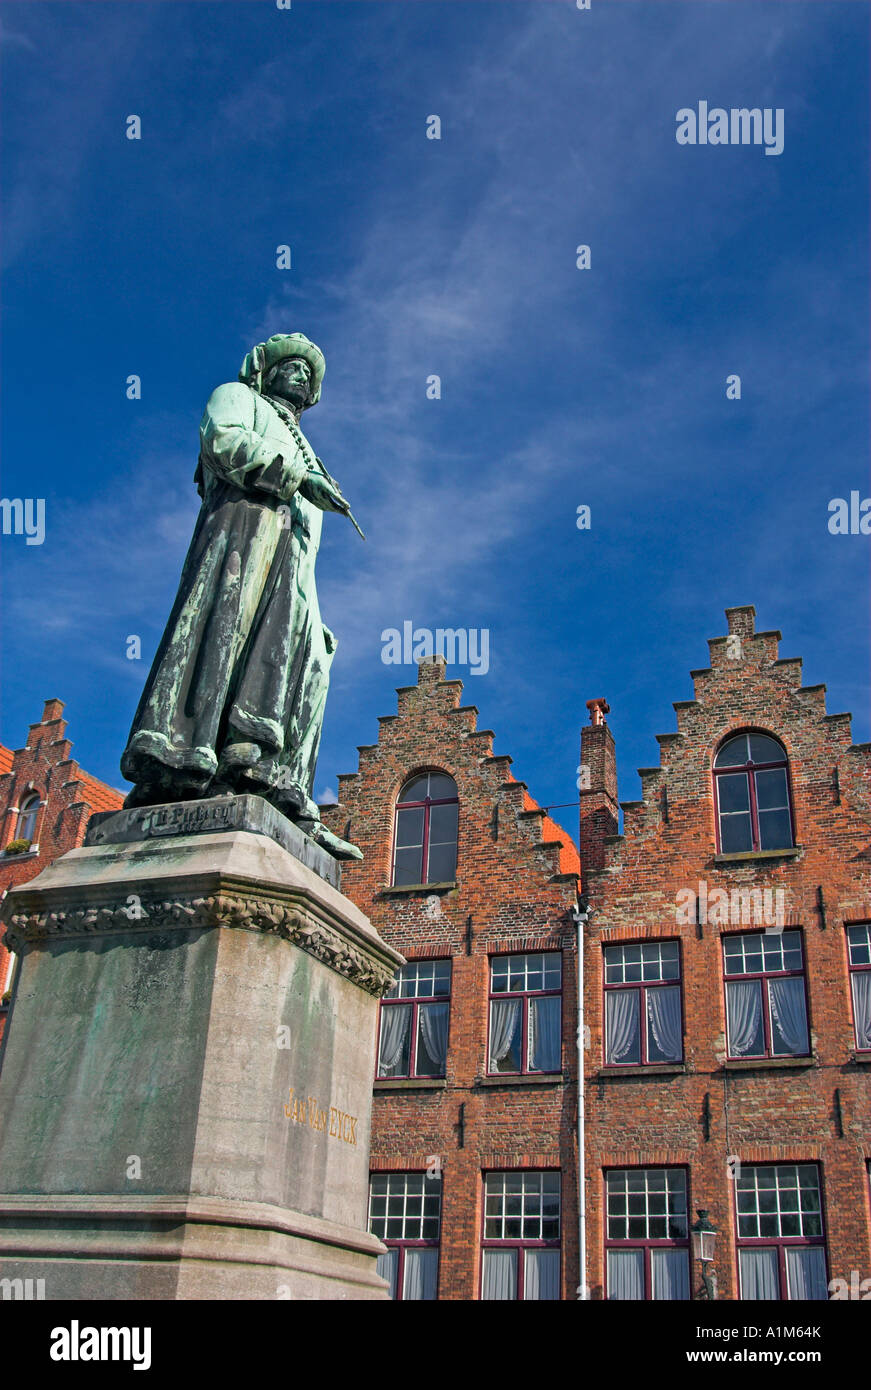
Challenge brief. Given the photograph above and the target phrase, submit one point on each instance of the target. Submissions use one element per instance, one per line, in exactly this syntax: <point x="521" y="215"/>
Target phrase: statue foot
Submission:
<point x="338" y="848"/>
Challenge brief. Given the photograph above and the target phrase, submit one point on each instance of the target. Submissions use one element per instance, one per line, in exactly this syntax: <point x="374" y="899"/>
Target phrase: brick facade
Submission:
<point x="814" y="1110"/>
<point x="516" y="891"/>
<point x="68" y="797"/>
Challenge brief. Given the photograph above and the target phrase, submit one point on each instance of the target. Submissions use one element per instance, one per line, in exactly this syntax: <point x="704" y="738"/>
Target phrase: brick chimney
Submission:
<point x="597" y="787"/>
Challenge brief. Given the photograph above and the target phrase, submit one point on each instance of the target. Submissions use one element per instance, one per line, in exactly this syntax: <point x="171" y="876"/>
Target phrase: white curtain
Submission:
<point x="626" y="1274"/>
<point x="500" y="1274"/>
<point x="745" y="1014"/>
<point x="420" y="1278"/>
<point x="862" y="1006"/>
<point x="541" y="1274"/>
<point x="621" y="1014"/>
<point x="544" y="1034"/>
<point x="788" y="1012"/>
<point x="806" y="1274"/>
<point x="386" y="1266"/>
<point x="395" y="1022"/>
<point x="504" y="1022"/>
<point x="759" y="1274"/>
<point x="670" y="1274"/>
<point x="434" y="1027"/>
<point x="663" y="1011"/>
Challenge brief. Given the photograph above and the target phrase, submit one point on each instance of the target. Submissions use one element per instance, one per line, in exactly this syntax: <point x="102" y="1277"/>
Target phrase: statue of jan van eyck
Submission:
<point x="235" y="698"/>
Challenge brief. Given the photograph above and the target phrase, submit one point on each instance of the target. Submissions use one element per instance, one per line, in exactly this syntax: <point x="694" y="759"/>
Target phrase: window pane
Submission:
<point x="736" y="835"/>
<point x="765" y="750"/>
<point x="744" y="1013"/>
<point x="420" y="1276"/>
<point x="432" y="1039"/>
<point x="806" y="1274"/>
<point x="505" y="1035"/>
<point x="860" y="944"/>
<point x="500" y="1275"/>
<point x="622" y="1026"/>
<point x="387" y="1266"/>
<point x="441" y="786"/>
<point x="788" y="1016"/>
<point x="733" y="753"/>
<point x="395" y="1049"/>
<point x="443" y="825"/>
<point x="759" y="1278"/>
<point x="626" y="1274"/>
<point x="670" y="1274"/>
<point x="771" y="789"/>
<point x="734" y="792"/>
<point x="664" y="1024"/>
<point x="442" y="863"/>
<point x="407" y="868"/>
<point x="414" y="790"/>
<point x="409" y="827"/>
<point x="544" y="1034"/>
<point x="541" y="1275"/>
<point x="775" y="830"/>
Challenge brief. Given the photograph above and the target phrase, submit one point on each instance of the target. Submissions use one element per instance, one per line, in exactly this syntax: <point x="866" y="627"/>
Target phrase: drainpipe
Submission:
<point x="581" y="914"/>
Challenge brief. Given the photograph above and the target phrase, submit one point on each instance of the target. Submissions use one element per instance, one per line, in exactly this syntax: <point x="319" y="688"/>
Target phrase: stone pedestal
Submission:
<point x="186" y="1088"/>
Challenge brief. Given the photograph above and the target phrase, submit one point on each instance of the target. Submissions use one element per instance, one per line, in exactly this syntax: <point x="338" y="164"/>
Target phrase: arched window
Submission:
<point x="751" y="785"/>
<point x="425" y="842"/>
<point x="26" y="828"/>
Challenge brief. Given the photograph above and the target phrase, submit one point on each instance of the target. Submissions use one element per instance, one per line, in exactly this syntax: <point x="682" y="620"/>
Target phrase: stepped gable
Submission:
<point x="433" y="730"/>
<point x="747" y="685"/>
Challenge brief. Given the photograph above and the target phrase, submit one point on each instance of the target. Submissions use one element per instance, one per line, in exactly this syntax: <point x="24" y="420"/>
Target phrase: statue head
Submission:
<point x="276" y="364"/>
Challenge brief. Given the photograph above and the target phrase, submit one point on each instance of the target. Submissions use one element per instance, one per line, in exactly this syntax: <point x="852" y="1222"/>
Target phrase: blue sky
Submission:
<point x="413" y="257"/>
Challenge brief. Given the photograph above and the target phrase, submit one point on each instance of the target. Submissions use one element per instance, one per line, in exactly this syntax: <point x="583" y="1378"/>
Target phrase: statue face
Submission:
<point x="291" y="380"/>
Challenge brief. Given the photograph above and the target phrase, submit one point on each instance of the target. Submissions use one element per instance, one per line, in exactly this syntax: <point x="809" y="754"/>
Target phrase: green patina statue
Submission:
<point x="235" y="698"/>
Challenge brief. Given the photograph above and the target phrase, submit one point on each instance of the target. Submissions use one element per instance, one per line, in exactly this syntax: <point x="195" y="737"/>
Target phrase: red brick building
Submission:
<point x="728" y="994"/>
<point x="726" y="999"/>
<point x="46" y="801"/>
<point x="475" y="1103"/>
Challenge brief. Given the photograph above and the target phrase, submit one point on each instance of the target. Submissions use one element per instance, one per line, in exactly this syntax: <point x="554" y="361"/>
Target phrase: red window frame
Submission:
<point x="518" y="1244"/>
<point x="856" y="970"/>
<point x="427" y="804"/>
<point x="524" y="996"/>
<point x="781" y="1243"/>
<point x="748" y="769"/>
<point x="402" y="1245"/>
<point x="642" y="985"/>
<point x="415" y="1000"/>
<point x="763" y="976"/>
<point x="648" y="1244"/>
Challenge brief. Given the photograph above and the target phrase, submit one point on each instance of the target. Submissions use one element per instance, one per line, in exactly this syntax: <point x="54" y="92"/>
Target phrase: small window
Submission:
<point x="526" y="1013"/>
<point x="766" y="1008"/>
<point x="521" y="1248"/>
<point x="26" y="827"/>
<point x="751" y="787"/>
<point x="643" y="1011"/>
<point x="859" y="947"/>
<point x="405" y="1213"/>
<point x="425" y="839"/>
<point x="647" y="1235"/>
<point x="414" y="1021"/>
<point x="781" y="1246"/>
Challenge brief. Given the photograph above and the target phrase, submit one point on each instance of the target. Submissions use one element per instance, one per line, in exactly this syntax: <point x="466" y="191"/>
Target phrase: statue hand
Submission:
<point x="321" y="492"/>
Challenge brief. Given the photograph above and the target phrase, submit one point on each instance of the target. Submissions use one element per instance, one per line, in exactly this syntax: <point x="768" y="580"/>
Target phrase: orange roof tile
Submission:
<point x="6" y="756"/>
<point x="98" y="795"/>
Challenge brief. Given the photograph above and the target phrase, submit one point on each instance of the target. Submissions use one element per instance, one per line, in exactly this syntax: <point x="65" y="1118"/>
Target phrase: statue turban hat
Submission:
<point x="280" y="346"/>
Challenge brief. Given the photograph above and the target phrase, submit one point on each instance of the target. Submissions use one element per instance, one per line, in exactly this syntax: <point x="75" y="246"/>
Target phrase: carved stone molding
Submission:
<point x="292" y="921"/>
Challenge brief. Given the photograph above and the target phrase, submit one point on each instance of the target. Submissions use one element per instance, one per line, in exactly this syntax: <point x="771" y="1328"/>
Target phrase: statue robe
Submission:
<point x="240" y="677"/>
